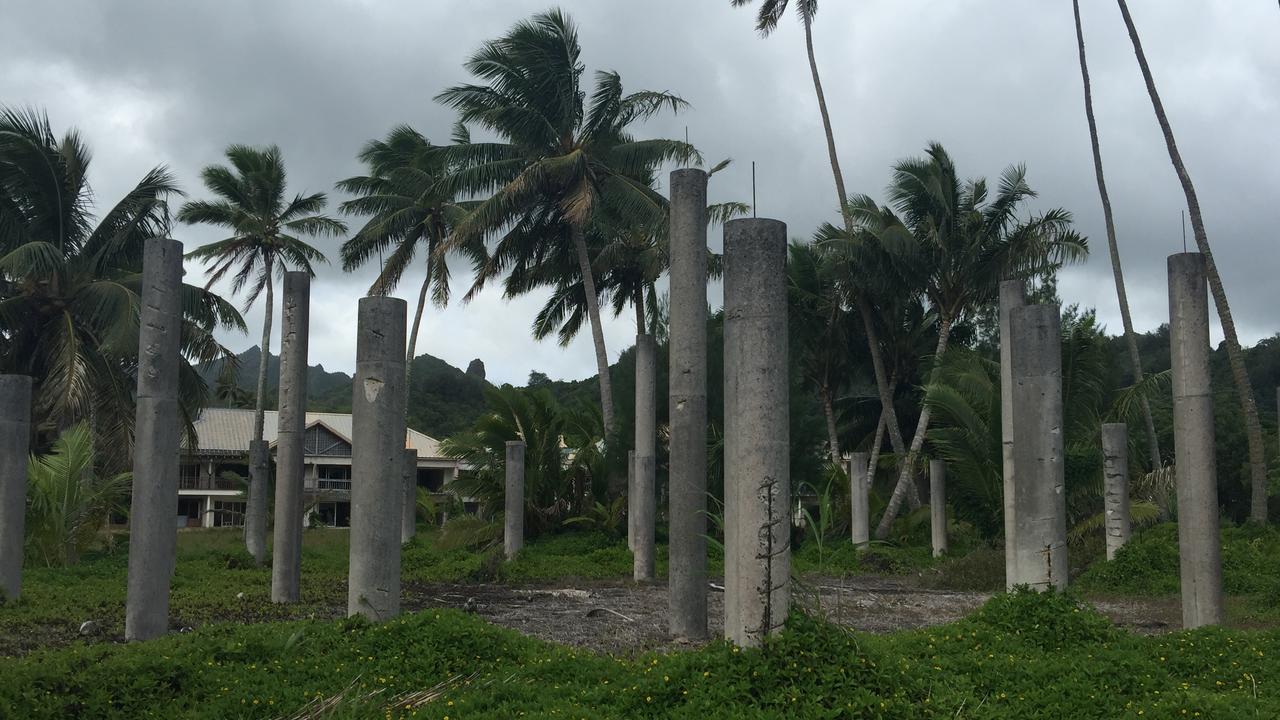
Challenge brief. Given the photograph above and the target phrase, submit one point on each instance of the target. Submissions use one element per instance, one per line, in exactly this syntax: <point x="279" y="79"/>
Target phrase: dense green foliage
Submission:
<point x="68" y="501"/>
<point x="1148" y="564"/>
<point x="1021" y="656"/>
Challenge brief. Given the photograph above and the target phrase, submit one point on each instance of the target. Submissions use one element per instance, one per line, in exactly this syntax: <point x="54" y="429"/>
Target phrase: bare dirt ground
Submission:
<point x="626" y="619"/>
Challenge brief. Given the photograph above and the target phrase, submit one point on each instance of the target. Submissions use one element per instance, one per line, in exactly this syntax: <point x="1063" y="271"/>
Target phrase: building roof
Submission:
<point x="227" y="431"/>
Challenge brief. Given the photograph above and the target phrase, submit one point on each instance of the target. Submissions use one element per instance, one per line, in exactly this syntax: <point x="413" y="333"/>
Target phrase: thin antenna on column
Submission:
<point x="753" y="188"/>
<point x="1184" y="231"/>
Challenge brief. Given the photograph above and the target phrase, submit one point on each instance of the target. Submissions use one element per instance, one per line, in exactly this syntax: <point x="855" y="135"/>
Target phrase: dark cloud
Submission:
<point x="152" y="82"/>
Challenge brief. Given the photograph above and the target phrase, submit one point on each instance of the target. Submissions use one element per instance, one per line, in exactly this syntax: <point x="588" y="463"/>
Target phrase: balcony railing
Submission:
<point x="202" y="483"/>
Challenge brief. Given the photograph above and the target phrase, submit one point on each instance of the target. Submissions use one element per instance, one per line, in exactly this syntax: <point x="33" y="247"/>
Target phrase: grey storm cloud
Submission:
<point x="151" y="82"/>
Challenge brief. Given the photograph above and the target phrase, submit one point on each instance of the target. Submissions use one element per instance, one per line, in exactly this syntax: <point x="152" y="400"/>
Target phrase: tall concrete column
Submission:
<point x="377" y="459"/>
<point x="687" y="510"/>
<point x="646" y="502"/>
<point x="757" y="449"/>
<point x="1012" y="295"/>
<point x="1115" y="485"/>
<point x="938" y="506"/>
<point x="255" y="507"/>
<point x="295" y="329"/>
<point x="153" y="531"/>
<point x="644" y="469"/>
<point x="1199" y="550"/>
<point x="859" y="506"/>
<point x="409" y="513"/>
<point x="513" y="529"/>
<point x="15" y="442"/>
<point x="1040" y="498"/>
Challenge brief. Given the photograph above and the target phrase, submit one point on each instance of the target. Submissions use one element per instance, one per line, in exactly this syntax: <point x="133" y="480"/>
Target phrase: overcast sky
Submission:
<point x="153" y="82"/>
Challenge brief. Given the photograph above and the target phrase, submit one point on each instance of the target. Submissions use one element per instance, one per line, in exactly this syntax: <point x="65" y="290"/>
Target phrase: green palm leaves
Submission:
<point x="69" y="284"/>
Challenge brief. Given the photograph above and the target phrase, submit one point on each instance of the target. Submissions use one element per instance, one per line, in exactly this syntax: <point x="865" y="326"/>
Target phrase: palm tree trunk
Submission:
<point x="638" y="301"/>
<point x="597" y="333"/>
<point x="417" y="322"/>
<point x="255" y="521"/>
<point x="1126" y="318"/>
<point x="833" y="435"/>
<point x="873" y="345"/>
<point x="875" y="449"/>
<point x="905" y="474"/>
<point x="886" y="389"/>
<point x="1235" y="356"/>
<point x="259" y="407"/>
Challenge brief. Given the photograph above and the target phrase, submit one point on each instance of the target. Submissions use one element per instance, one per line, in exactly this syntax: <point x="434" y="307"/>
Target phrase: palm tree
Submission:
<point x="70" y="284"/>
<point x="70" y="503"/>
<point x="264" y="224"/>
<point x="1131" y="340"/>
<point x="954" y="245"/>
<point x="408" y="212"/>
<point x="1235" y="356"/>
<point x="557" y="156"/>
<point x="767" y="18"/>
<point x="821" y="328"/>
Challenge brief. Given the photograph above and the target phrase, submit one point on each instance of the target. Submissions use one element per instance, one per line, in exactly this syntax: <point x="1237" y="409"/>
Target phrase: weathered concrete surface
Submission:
<point x="757" y="454"/>
<point x="646" y="501"/>
<point x="938" y="506"/>
<point x="1115" y="485"/>
<point x="377" y="459"/>
<point x="255" y="511"/>
<point x="513" y="528"/>
<point x="409" y="512"/>
<point x="295" y="329"/>
<point x="645" y="463"/>
<point x="1199" y="549"/>
<point x="1040" y="499"/>
<point x="859" y="506"/>
<point x="15" y="443"/>
<point x="688" y="405"/>
<point x="1012" y="295"/>
<point x="153" y="529"/>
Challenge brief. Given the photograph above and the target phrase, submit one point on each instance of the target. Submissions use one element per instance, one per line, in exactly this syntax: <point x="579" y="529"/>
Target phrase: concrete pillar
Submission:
<point x="938" y="506"/>
<point x="1040" y="499"/>
<point x="255" y="507"/>
<point x="1012" y="295"/>
<point x="1199" y="549"/>
<point x="513" y="530"/>
<point x="15" y="442"/>
<point x="153" y="533"/>
<point x="286" y="551"/>
<point x="687" y="334"/>
<point x="645" y="465"/>
<point x="1115" y="482"/>
<point x="377" y="459"/>
<point x="646" y="504"/>
<point x="859" y="505"/>
<point x="757" y="451"/>
<point x="409" y="514"/>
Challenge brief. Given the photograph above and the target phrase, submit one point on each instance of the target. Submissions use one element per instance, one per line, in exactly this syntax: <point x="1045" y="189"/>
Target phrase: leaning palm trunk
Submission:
<point x="833" y="435"/>
<point x="873" y="346"/>
<point x="905" y="472"/>
<point x="1131" y="341"/>
<point x="417" y="323"/>
<point x="255" y="521"/>
<point x="597" y="337"/>
<point x="1235" y="356"/>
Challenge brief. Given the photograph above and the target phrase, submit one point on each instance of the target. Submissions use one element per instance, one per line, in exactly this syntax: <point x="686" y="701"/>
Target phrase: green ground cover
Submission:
<point x="1020" y="656"/>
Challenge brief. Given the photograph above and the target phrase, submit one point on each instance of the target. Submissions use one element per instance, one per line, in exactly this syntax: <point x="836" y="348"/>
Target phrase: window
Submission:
<point x="189" y="476"/>
<point x="334" y="514"/>
<point x="228" y="513"/>
<point x="334" y="477"/>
